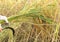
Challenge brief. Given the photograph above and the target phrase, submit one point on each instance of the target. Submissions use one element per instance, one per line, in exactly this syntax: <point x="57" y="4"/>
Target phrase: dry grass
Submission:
<point x="32" y="20"/>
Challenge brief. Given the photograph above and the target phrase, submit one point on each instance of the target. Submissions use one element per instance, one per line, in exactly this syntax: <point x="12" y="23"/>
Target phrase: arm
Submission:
<point x="6" y="21"/>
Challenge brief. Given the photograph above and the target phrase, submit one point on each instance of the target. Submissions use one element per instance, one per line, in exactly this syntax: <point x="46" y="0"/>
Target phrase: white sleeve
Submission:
<point x="4" y="18"/>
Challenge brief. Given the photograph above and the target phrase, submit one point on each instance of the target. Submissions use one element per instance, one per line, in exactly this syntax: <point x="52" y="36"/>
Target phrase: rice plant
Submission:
<point x="32" y="20"/>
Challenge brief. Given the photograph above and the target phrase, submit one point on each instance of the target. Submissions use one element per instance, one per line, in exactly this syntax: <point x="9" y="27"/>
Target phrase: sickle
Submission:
<point x="10" y="29"/>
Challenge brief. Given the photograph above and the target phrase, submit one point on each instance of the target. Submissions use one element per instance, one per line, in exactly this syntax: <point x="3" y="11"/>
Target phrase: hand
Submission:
<point x="0" y="29"/>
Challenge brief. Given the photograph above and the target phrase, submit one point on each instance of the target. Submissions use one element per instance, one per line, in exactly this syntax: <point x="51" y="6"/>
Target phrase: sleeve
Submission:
<point x="4" y="18"/>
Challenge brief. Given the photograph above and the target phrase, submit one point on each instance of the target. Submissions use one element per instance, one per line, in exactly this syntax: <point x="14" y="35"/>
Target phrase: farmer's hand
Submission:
<point x="0" y="29"/>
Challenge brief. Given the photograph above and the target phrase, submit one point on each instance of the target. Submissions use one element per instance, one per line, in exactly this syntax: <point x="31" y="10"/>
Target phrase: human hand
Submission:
<point x="0" y="29"/>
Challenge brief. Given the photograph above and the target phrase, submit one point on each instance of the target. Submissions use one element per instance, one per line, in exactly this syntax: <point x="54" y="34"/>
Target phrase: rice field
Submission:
<point x="32" y="20"/>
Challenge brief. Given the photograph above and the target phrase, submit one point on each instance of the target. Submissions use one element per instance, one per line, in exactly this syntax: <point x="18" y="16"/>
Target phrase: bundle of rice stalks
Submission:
<point x="6" y="36"/>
